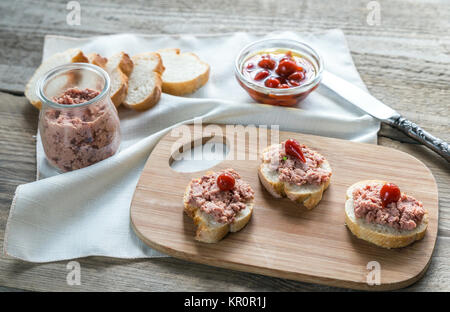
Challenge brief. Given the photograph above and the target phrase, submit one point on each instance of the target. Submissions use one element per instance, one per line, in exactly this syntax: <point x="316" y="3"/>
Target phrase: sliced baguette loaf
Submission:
<point x="58" y="59"/>
<point x="145" y="83"/>
<point x="208" y="229"/>
<point x="184" y="74"/>
<point x="119" y="66"/>
<point x="308" y="195"/>
<point x="379" y="234"/>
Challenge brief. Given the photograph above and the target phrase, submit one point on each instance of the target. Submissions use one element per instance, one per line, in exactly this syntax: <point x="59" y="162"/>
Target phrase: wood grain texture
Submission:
<point x="404" y="61"/>
<point x="283" y="239"/>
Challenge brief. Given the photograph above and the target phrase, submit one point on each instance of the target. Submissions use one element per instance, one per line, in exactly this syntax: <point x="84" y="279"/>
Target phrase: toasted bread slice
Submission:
<point x="208" y="229"/>
<point x="144" y="84"/>
<point x="184" y="74"/>
<point x="308" y="195"/>
<point x="379" y="234"/>
<point x="119" y="67"/>
<point x="58" y="59"/>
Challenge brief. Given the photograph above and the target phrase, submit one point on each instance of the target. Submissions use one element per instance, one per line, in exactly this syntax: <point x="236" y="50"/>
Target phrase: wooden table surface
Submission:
<point x="404" y="61"/>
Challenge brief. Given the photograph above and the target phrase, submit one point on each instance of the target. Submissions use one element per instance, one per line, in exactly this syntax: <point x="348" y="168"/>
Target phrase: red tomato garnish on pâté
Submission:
<point x="390" y="193"/>
<point x="293" y="148"/>
<point x="225" y="182"/>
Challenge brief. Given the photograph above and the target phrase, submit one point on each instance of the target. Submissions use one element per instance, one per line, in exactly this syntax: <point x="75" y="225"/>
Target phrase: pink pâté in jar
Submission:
<point x="78" y="123"/>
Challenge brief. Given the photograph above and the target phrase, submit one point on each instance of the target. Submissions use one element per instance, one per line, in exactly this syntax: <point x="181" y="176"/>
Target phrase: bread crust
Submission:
<point x="121" y="72"/>
<point x="280" y="189"/>
<point x="385" y="240"/>
<point x="80" y="58"/>
<point x="126" y="64"/>
<point x="97" y="59"/>
<point x="120" y="95"/>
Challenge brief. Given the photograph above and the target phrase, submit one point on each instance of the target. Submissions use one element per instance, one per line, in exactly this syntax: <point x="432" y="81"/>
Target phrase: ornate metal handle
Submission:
<point x="414" y="131"/>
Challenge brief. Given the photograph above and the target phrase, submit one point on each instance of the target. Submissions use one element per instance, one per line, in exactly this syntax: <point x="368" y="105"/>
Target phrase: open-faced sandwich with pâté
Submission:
<point x="293" y="170"/>
<point x="378" y="212"/>
<point x="218" y="203"/>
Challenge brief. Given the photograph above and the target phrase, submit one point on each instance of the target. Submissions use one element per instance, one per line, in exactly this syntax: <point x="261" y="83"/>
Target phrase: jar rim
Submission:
<point x="282" y="41"/>
<point x="67" y="67"/>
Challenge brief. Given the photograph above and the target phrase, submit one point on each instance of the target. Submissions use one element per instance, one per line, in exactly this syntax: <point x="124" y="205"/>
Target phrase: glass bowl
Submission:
<point x="277" y="96"/>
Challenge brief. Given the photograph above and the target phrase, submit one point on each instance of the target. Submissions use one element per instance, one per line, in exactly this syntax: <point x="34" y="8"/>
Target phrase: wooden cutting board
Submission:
<point x="282" y="239"/>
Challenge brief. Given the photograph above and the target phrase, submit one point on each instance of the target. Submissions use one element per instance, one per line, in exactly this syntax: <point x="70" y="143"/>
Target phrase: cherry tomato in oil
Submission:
<point x="272" y="83"/>
<point x="267" y="63"/>
<point x="225" y="182"/>
<point x="261" y="75"/>
<point x="286" y="67"/>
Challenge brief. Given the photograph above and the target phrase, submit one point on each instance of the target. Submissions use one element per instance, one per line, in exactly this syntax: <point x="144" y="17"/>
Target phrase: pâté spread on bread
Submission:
<point x="385" y="204"/>
<point x="218" y="203"/>
<point x="378" y="212"/>
<point x="297" y="164"/>
<point x="293" y="170"/>
<point x="222" y="195"/>
<point x="75" y="137"/>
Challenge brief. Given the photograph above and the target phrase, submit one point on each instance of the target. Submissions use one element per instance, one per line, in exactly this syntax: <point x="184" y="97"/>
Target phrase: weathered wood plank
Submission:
<point x="9" y="289"/>
<point x="404" y="61"/>
<point x="24" y="23"/>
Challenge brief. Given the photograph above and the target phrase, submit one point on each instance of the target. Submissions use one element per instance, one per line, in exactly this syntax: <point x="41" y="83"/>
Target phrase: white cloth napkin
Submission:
<point x="86" y="212"/>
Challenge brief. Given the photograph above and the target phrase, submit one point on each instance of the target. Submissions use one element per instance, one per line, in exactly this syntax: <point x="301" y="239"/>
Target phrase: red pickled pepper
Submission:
<point x="293" y="148"/>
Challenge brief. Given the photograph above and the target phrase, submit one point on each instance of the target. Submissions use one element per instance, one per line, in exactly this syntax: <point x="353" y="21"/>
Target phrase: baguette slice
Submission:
<point x="58" y="59"/>
<point x="208" y="229"/>
<point x="378" y="234"/>
<point x="119" y="81"/>
<point x="184" y="74"/>
<point x="308" y="195"/>
<point x="119" y="67"/>
<point x="119" y="86"/>
<point x="144" y="84"/>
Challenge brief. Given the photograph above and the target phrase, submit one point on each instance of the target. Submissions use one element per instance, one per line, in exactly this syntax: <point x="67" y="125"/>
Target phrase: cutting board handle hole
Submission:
<point x="200" y="154"/>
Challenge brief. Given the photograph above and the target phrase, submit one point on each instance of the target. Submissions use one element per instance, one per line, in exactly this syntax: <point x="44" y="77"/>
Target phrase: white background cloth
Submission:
<point x="86" y="212"/>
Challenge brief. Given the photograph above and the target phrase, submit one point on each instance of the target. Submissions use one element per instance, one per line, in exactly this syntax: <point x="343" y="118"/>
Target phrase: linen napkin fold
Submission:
<point x="86" y="212"/>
